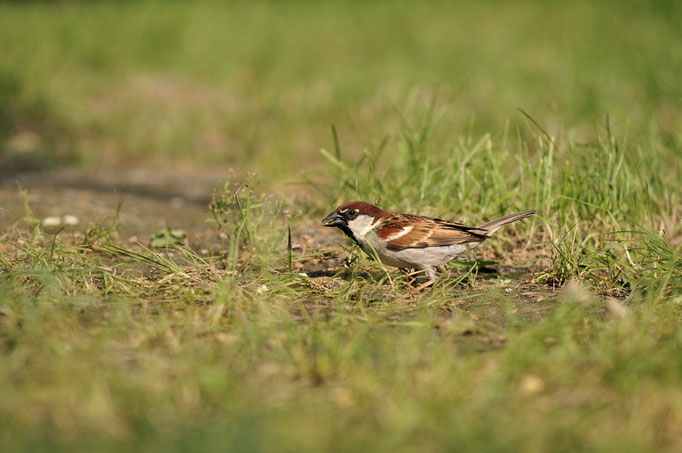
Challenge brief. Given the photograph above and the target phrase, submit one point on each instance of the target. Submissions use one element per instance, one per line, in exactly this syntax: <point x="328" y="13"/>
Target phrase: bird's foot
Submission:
<point x="412" y="276"/>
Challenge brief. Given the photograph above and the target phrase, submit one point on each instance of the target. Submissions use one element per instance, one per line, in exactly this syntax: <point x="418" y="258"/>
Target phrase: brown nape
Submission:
<point x="364" y="208"/>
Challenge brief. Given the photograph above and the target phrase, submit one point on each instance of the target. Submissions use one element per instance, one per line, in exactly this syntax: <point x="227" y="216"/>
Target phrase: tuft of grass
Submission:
<point x="598" y="203"/>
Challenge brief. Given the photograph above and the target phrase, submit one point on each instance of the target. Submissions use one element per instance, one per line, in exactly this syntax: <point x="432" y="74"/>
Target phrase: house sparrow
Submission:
<point x="411" y="241"/>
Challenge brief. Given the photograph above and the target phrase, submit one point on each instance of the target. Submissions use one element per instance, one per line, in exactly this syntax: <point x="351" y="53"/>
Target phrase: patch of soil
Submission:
<point x="150" y="200"/>
<point x="153" y="200"/>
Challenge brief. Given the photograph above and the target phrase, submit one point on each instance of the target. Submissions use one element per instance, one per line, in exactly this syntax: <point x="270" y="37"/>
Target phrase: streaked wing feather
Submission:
<point x="426" y="232"/>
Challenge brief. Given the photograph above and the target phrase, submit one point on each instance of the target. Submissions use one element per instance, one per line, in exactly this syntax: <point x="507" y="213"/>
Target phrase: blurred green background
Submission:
<point x="255" y="85"/>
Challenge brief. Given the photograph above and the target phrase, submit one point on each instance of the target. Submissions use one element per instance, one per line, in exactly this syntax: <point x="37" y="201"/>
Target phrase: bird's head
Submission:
<point x="356" y="216"/>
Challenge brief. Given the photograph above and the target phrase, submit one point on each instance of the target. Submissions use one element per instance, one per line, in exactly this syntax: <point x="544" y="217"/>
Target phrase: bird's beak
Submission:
<point x="333" y="220"/>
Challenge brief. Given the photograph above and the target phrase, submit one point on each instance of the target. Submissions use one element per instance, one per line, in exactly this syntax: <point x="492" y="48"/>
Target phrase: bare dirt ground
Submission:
<point x="153" y="200"/>
<point x="150" y="200"/>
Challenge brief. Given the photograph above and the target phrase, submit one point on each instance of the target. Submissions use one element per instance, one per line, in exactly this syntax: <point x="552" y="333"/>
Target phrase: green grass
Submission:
<point x="256" y="84"/>
<point x="464" y="111"/>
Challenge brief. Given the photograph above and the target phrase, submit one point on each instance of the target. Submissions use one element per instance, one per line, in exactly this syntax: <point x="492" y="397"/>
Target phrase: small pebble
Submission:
<point x="52" y="221"/>
<point x="70" y="219"/>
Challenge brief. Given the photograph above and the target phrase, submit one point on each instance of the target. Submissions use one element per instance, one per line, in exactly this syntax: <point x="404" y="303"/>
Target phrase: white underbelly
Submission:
<point x="432" y="256"/>
<point x="416" y="257"/>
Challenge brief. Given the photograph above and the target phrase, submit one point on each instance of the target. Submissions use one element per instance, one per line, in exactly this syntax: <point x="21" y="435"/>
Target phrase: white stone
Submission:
<point x="51" y="221"/>
<point x="70" y="219"/>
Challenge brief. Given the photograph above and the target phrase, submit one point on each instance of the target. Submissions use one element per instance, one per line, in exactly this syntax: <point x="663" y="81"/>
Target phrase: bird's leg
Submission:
<point x="431" y="272"/>
<point x="410" y="274"/>
<point x="424" y="285"/>
<point x="432" y="278"/>
<point x="407" y="274"/>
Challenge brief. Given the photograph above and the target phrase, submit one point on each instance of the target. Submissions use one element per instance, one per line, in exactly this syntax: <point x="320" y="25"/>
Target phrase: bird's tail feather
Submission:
<point x="496" y="224"/>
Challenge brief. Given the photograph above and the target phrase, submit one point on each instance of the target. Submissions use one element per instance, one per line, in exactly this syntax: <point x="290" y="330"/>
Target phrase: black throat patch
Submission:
<point x="347" y="231"/>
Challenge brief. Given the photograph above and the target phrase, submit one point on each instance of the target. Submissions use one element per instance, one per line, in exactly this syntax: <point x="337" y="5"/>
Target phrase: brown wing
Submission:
<point x="410" y="231"/>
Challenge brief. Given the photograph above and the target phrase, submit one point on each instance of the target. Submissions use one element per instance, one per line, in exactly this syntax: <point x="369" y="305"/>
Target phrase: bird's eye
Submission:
<point x="352" y="214"/>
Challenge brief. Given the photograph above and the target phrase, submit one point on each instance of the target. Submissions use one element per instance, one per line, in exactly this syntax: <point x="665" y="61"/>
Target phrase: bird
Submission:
<point x="409" y="241"/>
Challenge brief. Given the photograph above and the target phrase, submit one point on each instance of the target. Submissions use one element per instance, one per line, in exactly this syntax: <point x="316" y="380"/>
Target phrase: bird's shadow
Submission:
<point x="486" y="270"/>
<point x="344" y="273"/>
